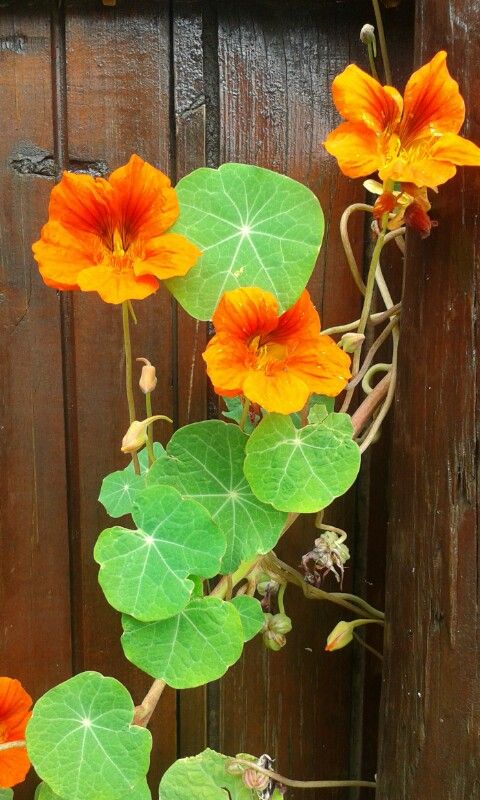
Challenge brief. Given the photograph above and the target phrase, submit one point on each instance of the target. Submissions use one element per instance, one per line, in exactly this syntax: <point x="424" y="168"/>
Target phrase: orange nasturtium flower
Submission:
<point x="275" y="361"/>
<point x="110" y="236"/>
<point x="413" y="139"/>
<point x="15" y="712"/>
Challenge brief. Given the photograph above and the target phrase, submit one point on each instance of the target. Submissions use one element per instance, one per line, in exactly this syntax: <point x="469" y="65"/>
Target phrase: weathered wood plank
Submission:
<point x="34" y="563"/>
<point x="118" y="82"/>
<point x="190" y="118"/>
<point x="431" y="699"/>
<point x="276" y="67"/>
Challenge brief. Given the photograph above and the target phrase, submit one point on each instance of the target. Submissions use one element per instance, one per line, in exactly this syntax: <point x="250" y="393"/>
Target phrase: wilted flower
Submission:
<point x="328" y="555"/>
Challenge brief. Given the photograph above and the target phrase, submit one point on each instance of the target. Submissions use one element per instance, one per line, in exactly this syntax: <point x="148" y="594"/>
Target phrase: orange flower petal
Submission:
<point x="357" y="148"/>
<point x="116" y="286"/>
<point x="300" y="320"/>
<point x="14" y="765"/>
<point x="15" y="712"/>
<point x="62" y="255"/>
<point x="281" y="391"/>
<point x="456" y="150"/>
<point x="146" y="205"/>
<point x="246" y="312"/>
<point x="83" y="204"/>
<point x="323" y="365"/>
<point x="166" y="256"/>
<point x="227" y="364"/>
<point x="360" y="98"/>
<point x="432" y="102"/>
<point x="424" y="172"/>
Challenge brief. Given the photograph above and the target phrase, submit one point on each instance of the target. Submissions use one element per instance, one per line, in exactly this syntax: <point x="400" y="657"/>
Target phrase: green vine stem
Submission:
<point x="366" y="309"/>
<point x="280" y="598"/>
<point x="148" y="408"/>
<point x="383" y="42"/>
<point x="128" y="373"/>
<point x="351" y="260"/>
<point x="374" y="319"/>
<point x="302" y="784"/>
<point x="369" y="357"/>
<point x="376" y="424"/>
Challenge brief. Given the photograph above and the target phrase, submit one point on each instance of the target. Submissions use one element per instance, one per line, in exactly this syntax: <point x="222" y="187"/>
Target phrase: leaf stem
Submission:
<point x="144" y="711"/>
<point x="374" y="319"/>
<point x="367" y="646"/>
<point x="127" y="344"/>
<point x="302" y="784"/>
<point x="383" y="43"/>
<point x="280" y="596"/>
<point x="148" y="408"/>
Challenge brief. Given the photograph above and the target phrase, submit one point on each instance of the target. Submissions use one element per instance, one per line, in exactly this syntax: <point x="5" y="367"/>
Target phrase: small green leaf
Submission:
<point x="234" y="411"/>
<point x="254" y="227"/>
<point x="301" y="470"/>
<point x="251" y="615"/>
<point x="120" y="488"/>
<point x="195" y="647"/>
<point x="203" y="777"/>
<point x="6" y="794"/>
<point x="317" y="414"/>
<point x="81" y="740"/>
<point x="145" y="572"/>
<point x="206" y="464"/>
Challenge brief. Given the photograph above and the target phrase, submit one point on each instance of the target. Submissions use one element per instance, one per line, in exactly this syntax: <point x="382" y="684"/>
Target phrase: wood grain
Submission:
<point x="431" y="699"/>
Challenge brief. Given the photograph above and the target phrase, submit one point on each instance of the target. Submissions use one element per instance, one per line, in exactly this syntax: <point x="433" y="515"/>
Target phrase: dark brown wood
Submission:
<point x="34" y="562"/>
<point x="431" y="698"/>
<point x="118" y="91"/>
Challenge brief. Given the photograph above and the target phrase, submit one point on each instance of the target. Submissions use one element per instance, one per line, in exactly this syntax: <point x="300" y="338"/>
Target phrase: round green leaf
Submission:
<point x="251" y="614"/>
<point x="81" y="740"/>
<point x="119" y="490"/>
<point x="254" y="227"/>
<point x="301" y="470"/>
<point x="206" y="464"/>
<point x="145" y="572"/>
<point x="203" y="777"/>
<point x="195" y="647"/>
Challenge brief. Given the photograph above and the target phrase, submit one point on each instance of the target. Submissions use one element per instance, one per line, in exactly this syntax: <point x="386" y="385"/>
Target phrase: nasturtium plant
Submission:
<point x="82" y="741"/>
<point x="205" y="464"/>
<point x="194" y="647"/>
<point x="145" y="572"/>
<point x="206" y="777"/>
<point x="251" y="615"/>
<point x="254" y="227"/>
<point x="301" y="469"/>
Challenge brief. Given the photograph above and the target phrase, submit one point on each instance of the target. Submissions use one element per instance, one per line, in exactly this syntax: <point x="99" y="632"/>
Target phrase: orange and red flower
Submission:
<point x="413" y="139"/>
<point x="15" y="712"/>
<point x="110" y="236"/>
<point x="275" y="361"/>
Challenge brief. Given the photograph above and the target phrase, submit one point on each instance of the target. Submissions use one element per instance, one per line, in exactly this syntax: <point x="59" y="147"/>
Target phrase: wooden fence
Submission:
<point x="185" y="83"/>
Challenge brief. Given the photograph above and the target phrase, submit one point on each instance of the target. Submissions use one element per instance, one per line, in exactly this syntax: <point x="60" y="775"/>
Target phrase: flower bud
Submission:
<point x="367" y="36"/>
<point x="136" y="436"/>
<point x="274" y="630"/>
<point x="341" y="635"/>
<point x="351" y="341"/>
<point x="148" y="378"/>
<point x="279" y="623"/>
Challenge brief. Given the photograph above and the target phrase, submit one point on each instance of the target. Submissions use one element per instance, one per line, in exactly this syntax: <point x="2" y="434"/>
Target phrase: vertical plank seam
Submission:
<point x="174" y="178"/>
<point x="67" y="334"/>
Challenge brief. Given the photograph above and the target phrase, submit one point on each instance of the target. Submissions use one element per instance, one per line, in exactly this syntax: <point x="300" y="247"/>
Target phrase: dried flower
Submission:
<point x="329" y="555"/>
